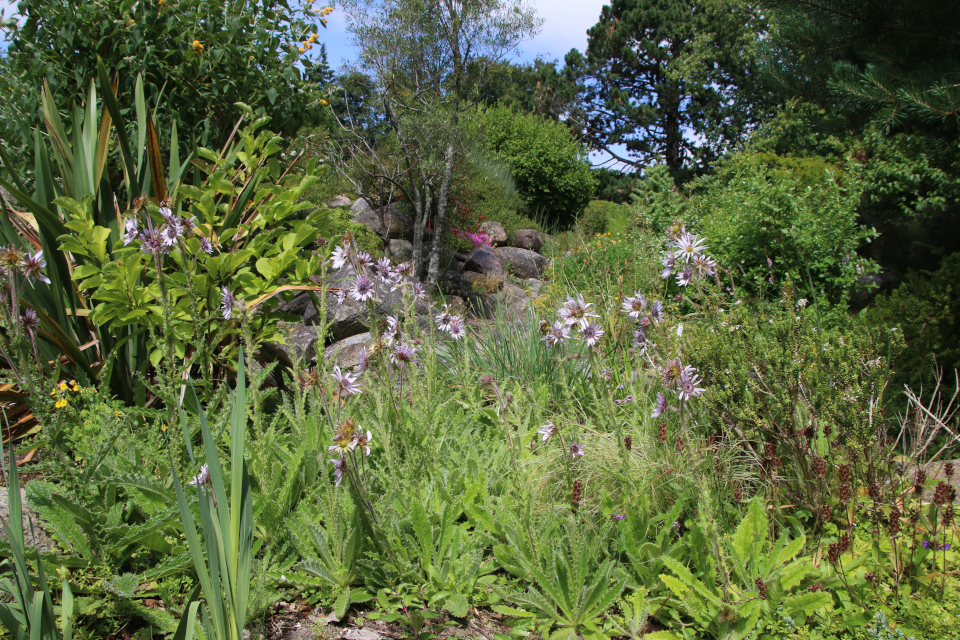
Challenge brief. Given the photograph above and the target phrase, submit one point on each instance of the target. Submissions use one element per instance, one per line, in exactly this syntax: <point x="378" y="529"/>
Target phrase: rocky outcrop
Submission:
<point x="388" y="223"/>
<point x="346" y="353"/>
<point x="339" y="201"/>
<point x="400" y="250"/>
<point x="484" y="260"/>
<point x="522" y="263"/>
<point x="529" y="239"/>
<point x="495" y="233"/>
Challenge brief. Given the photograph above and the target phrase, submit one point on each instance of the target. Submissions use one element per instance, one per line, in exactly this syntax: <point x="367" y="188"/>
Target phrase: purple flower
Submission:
<point x="132" y="232"/>
<point x="618" y="517"/>
<point x="556" y="334"/>
<point x="363" y="360"/>
<point x="362" y="260"/>
<point x="687" y="384"/>
<point x="591" y="334"/>
<point x="340" y="255"/>
<point x="32" y="265"/>
<point x="547" y="430"/>
<point x="206" y="246"/>
<point x="201" y="478"/>
<point x="382" y="269"/>
<point x="635" y="306"/>
<point x="444" y="318"/>
<point x="419" y="292"/>
<point x="689" y="246"/>
<point x="362" y="289"/>
<point x="576" y="311"/>
<point x="151" y="243"/>
<point x="662" y="406"/>
<point x="668" y="261"/>
<point x="704" y="265"/>
<point x="338" y="471"/>
<point x="403" y="268"/>
<point x="227" y="302"/>
<point x="402" y="355"/>
<point x="656" y="312"/>
<point x="363" y="442"/>
<point x="684" y="277"/>
<point x="577" y="450"/>
<point x="455" y="328"/>
<point x="29" y="320"/>
<point x="346" y="383"/>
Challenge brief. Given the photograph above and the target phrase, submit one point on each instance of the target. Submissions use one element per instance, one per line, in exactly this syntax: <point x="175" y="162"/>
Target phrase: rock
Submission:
<point x="455" y="284"/>
<point x="484" y="260"/>
<point x="33" y="534"/>
<point x="456" y="305"/>
<point x="522" y="263"/>
<point x="529" y="239"/>
<point x="360" y="207"/>
<point x="301" y="341"/>
<point x="400" y="250"/>
<point x="346" y="353"/>
<point x="513" y="301"/>
<point x="534" y="287"/>
<point x="338" y="201"/>
<point x="495" y="232"/>
<point x="395" y="224"/>
<point x="482" y="283"/>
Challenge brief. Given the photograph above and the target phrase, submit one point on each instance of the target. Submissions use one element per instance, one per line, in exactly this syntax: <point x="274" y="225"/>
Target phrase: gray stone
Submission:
<point x="455" y="284"/>
<point x="483" y="284"/>
<point x="400" y="250"/>
<point x="338" y="201"/>
<point x="522" y="263"/>
<point x="513" y="301"/>
<point x="534" y="287"/>
<point x="346" y="353"/>
<point x="33" y="534"/>
<point x="394" y="224"/>
<point x="484" y="260"/>
<point x="495" y="232"/>
<point x="527" y="239"/>
<point x="301" y="341"/>
<point x="360" y="207"/>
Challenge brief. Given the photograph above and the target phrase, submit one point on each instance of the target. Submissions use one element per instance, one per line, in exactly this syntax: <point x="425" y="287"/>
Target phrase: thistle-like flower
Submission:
<point x="635" y="306"/>
<point x="669" y="262"/>
<point x="455" y="328"/>
<point x="591" y="334"/>
<point x="687" y="384"/>
<point x="547" y="431"/>
<point x="402" y="355"/>
<point x="685" y="276"/>
<point x="362" y="289"/>
<point x="132" y="233"/>
<point x="227" y="303"/>
<point x="444" y="318"/>
<point x="346" y="383"/>
<point x="32" y="264"/>
<point x="340" y="255"/>
<point x="363" y="441"/>
<point x="689" y="246"/>
<point x="345" y="440"/>
<point x="656" y="313"/>
<point x="362" y="260"/>
<point x="662" y="406"/>
<point x="29" y="321"/>
<point x="363" y="360"/>
<point x="557" y="334"/>
<point x="201" y="478"/>
<point x="206" y="246"/>
<point x="338" y="470"/>
<point x="706" y="266"/>
<point x="577" y="449"/>
<point x="382" y="269"/>
<point x="576" y="311"/>
<point x="419" y="292"/>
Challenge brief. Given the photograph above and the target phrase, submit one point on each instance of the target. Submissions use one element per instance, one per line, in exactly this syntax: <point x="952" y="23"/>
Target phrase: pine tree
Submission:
<point x="668" y="78"/>
<point x="891" y="62"/>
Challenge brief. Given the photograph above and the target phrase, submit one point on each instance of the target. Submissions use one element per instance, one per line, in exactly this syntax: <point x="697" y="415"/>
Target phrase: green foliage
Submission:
<point x="669" y="79"/>
<point x="602" y="216"/>
<point x="196" y="58"/>
<point x="926" y="309"/>
<point x="774" y="220"/>
<point x="548" y="165"/>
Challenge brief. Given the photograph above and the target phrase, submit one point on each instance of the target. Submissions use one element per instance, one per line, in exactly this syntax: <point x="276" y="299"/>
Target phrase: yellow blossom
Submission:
<point x="62" y="386"/>
<point x="197" y="46"/>
<point x="301" y="49"/>
<point x="60" y="404"/>
<point x="327" y="11"/>
<point x="163" y="427"/>
<point x="313" y="37"/>
<point x="323" y="102"/>
<point x="323" y="20"/>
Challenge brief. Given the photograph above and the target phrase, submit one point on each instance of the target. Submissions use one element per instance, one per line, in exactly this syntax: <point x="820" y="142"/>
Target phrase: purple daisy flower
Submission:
<point x="32" y="265"/>
<point x="669" y="261"/>
<point x="576" y="311"/>
<point x="363" y="360"/>
<point x="206" y="246"/>
<point x="687" y="385"/>
<point x="689" y="246"/>
<point x="363" y="442"/>
<point x="338" y="471"/>
<point x="402" y="355"/>
<point x="455" y="328"/>
<point x="591" y="334"/>
<point x="547" y="431"/>
<point x="29" y="320"/>
<point x="656" y="313"/>
<point x="340" y="255"/>
<point x="132" y="233"/>
<point x="635" y="306"/>
<point x="684" y="277"/>
<point x="557" y="334"/>
<point x="419" y="292"/>
<point x="577" y="450"/>
<point x="201" y="478"/>
<point x="662" y="406"/>
<point x="227" y="303"/>
<point x="346" y="383"/>
<point x="362" y="289"/>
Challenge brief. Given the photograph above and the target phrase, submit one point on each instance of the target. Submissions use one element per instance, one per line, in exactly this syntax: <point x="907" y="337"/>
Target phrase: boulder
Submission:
<point x="483" y="284"/>
<point x="346" y="353"/>
<point x="529" y="239"/>
<point x="301" y="341"/>
<point x="495" y="232"/>
<point x="400" y="250"/>
<point x="522" y="263"/>
<point x="534" y="287"/>
<point x="484" y="260"/>
<point x="338" y="201"/>
<point x="513" y="301"/>
<point x="394" y="225"/>
<point x="455" y="284"/>
<point x="360" y="207"/>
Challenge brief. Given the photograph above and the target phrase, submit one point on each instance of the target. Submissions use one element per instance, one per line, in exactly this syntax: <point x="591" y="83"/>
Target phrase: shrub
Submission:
<point x="602" y="216"/>
<point x="549" y="167"/>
